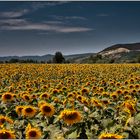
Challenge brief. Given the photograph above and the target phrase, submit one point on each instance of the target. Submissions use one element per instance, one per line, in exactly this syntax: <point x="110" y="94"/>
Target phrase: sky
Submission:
<point x="39" y="28"/>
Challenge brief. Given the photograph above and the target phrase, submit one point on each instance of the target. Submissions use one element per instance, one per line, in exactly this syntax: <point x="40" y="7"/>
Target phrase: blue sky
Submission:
<point x="38" y="28"/>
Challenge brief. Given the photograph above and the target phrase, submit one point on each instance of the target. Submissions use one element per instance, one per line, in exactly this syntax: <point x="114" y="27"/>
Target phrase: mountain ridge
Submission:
<point x="118" y="53"/>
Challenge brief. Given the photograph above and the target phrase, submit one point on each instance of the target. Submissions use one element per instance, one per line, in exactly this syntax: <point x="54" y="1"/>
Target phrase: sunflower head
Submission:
<point x="114" y="96"/>
<point x="137" y="86"/>
<point x="85" y="101"/>
<point x="47" y="109"/>
<point x="119" y="92"/>
<point x="55" y="91"/>
<point x="19" y="110"/>
<point x="70" y="116"/>
<point x="6" y="134"/>
<point x="70" y="95"/>
<point x="125" y="92"/>
<point x="41" y="103"/>
<point x="129" y="105"/>
<point x="4" y="119"/>
<point x="84" y="91"/>
<point x="105" y="101"/>
<point x="79" y="98"/>
<point x="44" y="96"/>
<point x="7" y="97"/>
<point x="33" y="96"/>
<point x="33" y="133"/>
<point x="26" y="97"/>
<point x="110" y="136"/>
<point x="28" y="111"/>
<point x="96" y="103"/>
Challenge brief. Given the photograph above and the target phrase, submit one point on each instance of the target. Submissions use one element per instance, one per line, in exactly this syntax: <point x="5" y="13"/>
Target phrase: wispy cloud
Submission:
<point x="22" y="24"/>
<point x="37" y="5"/>
<point x="13" y="14"/>
<point x="12" y="22"/>
<point x="102" y="15"/>
<point x="68" y="17"/>
<point x="53" y="22"/>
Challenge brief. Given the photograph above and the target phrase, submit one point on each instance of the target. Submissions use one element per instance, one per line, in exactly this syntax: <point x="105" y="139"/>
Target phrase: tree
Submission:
<point x="58" y="58"/>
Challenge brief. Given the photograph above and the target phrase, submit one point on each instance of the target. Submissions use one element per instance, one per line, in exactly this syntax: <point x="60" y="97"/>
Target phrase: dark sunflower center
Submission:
<point x="114" y="96"/>
<point x="20" y="109"/>
<point x="2" y="120"/>
<point x="72" y="116"/>
<point x="32" y="133"/>
<point x="105" y="102"/>
<point x="8" y="96"/>
<point x="5" y="135"/>
<point x="44" y="95"/>
<point x="27" y="98"/>
<point x="84" y="90"/>
<point x="79" y="98"/>
<point x="47" y="109"/>
<point x="28" y="110"/>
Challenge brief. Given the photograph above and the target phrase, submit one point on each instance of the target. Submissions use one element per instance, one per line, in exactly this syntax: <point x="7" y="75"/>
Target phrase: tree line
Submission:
<point x="58" y="58"/>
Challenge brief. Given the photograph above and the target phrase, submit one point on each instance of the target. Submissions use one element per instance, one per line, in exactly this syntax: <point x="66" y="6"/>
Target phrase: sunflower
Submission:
<point x="19" y="110"/>
<point x="26" y="97"/>
<point x="84" y="91"/>
<point x="41" y="103"/>
<point x="70" y="116"/>
<point x="79" y="98"/>
<point x="114" y="96"/>
<point x="94" y="88"/>
<point x="33" y="133"/>
<point x="85" y="101"/>
<point x="44" y="96"/>
<point x="129" y="105"/>
<point x="105" y="101"/>
<point x="127" y="97"/>
<point x="110" y="136"/>
<point x="70" y="95"/>
<point x="119" y="92"/>
<point x="97" y="103"/>
<point x="131" y="86"/>
<point x="6" y="134"/>
<point x="28" y="127"/>
<point x="4" y="119"/>
<point x="55" y="91"/>
<point x="33" y="96"/>
<point x="137" y="86"/>
<point x="28" y="111"/>
<point x="125" y="92"/>
<point x="7" y="97"/>
<point x="47" y="109"/>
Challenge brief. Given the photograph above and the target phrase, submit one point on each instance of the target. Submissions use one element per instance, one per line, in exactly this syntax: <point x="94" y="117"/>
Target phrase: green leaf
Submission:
<point x="137" y="117"/>
<point x="73" y="135"/>
<point x="107" y="123"/>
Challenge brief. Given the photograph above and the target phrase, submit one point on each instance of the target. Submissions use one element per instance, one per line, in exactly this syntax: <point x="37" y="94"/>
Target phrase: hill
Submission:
<point x="119" y="53"/>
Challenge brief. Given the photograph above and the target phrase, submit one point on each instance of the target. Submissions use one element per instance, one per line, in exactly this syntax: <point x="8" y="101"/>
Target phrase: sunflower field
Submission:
<point x="69" y="101"/>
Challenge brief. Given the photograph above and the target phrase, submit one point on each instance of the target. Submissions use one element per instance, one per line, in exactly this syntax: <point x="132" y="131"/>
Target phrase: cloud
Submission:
<point x="53" y="22"/>
<point x="22" y="24"/>
<point x="13" y="14"/>
<point x="37" y="5"/>
<point x="74" y="29"/>
<point x="10" y="22"/>
<point x="102" y="15"/>
<point x="68" y="17"/>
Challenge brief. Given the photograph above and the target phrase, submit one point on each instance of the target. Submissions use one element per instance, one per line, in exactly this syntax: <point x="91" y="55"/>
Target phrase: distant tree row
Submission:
<point x="19" y="61"/>
<point x="58" y="58"/>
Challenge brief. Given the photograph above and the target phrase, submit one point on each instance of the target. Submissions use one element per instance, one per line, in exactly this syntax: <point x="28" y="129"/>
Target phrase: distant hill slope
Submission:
<point x="119" y="53"/>
<point x="131" y="47"/>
